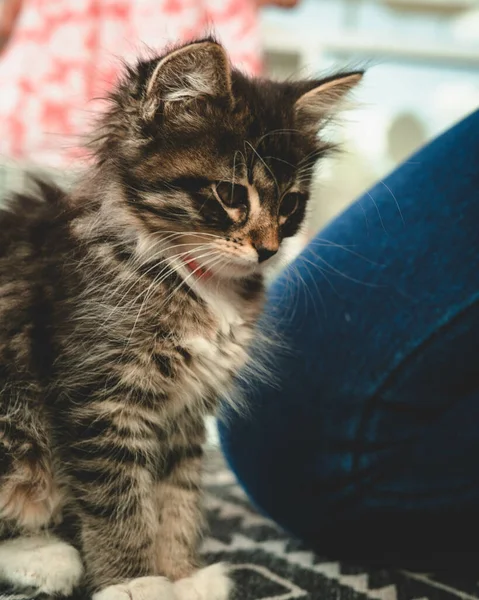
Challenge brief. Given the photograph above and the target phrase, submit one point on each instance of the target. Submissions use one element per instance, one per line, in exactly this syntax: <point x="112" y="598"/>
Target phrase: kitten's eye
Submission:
<point x="289" y="204"/>
<point x="232" y="194"/>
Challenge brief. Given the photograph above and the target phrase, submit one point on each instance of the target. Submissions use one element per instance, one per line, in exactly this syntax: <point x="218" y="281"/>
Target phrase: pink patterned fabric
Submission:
<point x="66" y="53"/>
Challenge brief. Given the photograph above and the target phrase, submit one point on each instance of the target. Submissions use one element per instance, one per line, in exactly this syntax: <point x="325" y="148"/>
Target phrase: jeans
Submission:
<point x="368" y="441"/>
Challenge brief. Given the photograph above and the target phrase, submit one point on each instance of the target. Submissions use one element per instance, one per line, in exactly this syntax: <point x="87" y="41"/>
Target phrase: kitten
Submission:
<point x="127" y="308"/>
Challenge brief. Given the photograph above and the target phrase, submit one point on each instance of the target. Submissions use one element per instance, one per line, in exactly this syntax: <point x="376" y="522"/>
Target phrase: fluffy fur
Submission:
<point x="128" y="306"/>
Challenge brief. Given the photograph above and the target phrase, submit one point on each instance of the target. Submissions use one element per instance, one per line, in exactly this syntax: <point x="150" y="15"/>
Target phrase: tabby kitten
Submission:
<point x="126" y="309"/>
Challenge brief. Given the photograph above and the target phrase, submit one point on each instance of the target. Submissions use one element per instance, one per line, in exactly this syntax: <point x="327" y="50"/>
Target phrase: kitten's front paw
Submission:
<point x="142" y="588"/>
<point x="210" y="583"/>
<point x="29" y="496"/>
<point x="47" y="564"/>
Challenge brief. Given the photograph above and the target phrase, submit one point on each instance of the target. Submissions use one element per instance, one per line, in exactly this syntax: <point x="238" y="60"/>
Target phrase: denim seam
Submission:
<point x="446" y="322"/>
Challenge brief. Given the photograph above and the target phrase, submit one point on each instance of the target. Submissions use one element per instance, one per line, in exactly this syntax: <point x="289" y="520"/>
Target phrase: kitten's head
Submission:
<point x="217" y="163"/>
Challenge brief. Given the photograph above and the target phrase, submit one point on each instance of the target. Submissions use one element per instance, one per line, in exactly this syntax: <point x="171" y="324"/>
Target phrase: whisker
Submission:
<point x="348" y="277"/>
<point x="360" y="204"/>
<point x="300" y="288"/>
<point x="264" y="163"/>
<point x="318" y="293"/>
<point x="156" y="281"/>
<point x="328" y="243"/>
<point x="278" y="132"/>
<point x="200" y="267"/>
<point x="281" y="160"/>
<point x="322" y="273"/>
<point x="313" y="155"/>
<point x="395" y="200"/>
<point x="378" y="211"/>
<point x="199" y="233"/>
<point x="155" y="284"/>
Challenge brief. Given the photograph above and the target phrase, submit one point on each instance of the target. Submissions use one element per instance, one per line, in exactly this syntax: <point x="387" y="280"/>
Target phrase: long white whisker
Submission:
<point x="318" y="293"/>
<point x="155" y="284"/>
<point x="321" y="272"/>
<point x="378" y="211"/>
<point x="327" y="243"/>
<point x="338" y="272"/>
<point x="154" y="266"/>
<point x="200" y="267"/>
<point x="395" y="200"/>
<point x="167" y="261"/>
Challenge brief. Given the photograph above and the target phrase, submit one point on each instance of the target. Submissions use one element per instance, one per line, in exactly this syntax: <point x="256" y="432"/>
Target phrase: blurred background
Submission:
<point x="423" y="75"/>
<point x="422" y="58"/>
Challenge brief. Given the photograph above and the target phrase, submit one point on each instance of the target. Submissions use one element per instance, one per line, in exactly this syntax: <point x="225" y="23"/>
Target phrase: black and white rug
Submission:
<point x="269" y="565"/>
<point x="266" y="564"/>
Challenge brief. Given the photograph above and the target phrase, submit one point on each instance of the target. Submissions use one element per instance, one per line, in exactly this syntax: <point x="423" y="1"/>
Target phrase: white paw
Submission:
<point x="210" y="583"/>
<point x="44" y="563"/>
<point x="143" y="588"/>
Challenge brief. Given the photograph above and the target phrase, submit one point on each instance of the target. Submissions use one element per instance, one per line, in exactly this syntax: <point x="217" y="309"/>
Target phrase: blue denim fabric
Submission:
<point x="372" y="438"/>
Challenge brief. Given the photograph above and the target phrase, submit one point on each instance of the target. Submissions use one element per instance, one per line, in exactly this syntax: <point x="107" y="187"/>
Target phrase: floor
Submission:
<point x="267" y="564"/>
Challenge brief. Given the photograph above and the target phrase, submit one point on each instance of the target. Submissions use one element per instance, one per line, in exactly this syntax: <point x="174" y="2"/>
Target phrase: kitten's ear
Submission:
<point x="198" y="70"/>
<point x="324" y="98"/>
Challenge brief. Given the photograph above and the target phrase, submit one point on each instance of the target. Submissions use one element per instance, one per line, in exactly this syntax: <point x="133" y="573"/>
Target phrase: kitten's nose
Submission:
<point x="265" y="253"/>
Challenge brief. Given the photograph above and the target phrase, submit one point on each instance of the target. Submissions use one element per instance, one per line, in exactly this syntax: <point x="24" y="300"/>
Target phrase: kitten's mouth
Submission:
<point x="197" y="269"/>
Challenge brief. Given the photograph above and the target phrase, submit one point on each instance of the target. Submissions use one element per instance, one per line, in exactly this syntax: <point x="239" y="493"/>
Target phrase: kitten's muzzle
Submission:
<point x="265" y="253"/>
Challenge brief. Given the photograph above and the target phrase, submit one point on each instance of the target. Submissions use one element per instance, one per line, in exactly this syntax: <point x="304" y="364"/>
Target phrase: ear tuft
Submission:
<point x="198" y="70"/>
<point x="324" y="98"/>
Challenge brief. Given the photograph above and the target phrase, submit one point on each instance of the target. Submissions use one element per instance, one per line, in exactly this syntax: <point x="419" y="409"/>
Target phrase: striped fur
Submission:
<point x="127" y="308"/>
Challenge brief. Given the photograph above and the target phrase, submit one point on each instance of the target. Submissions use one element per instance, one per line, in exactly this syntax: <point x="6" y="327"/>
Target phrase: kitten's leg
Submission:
<point x="29" y="496"/>
<point x="181" y="519"/>
<point x="29" y="499"/>
<point x="180" y="515"/>
<point x="45" y="563"/>
<point x="110" y="467"/>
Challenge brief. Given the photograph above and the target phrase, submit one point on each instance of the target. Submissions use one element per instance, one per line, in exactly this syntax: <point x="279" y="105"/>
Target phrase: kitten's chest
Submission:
<point x="217" y="354"/>
<point x="223" y="350"/>
<point x="186" y="352"/>
<point x="195" y="356"/>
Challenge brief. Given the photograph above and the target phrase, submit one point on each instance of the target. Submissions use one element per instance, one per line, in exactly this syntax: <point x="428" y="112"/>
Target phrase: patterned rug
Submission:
<point x="269" y="565"/>
<point x="266" y="564"/>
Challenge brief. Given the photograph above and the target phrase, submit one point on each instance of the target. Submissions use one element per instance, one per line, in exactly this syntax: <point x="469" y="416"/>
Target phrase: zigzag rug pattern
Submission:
<point x="266" y="564"/>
